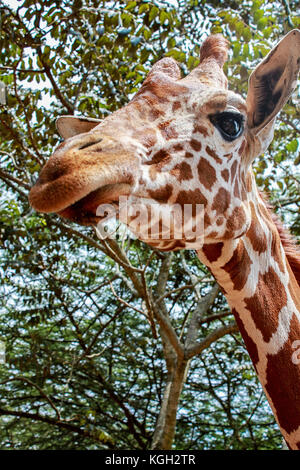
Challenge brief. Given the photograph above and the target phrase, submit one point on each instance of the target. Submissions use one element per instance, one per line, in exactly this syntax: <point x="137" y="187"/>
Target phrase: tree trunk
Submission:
<point x="166" y="422"/>
<point x="177" y="354"/>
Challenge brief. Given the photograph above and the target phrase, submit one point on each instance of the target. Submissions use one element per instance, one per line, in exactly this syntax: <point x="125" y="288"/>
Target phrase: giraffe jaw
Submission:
<point x="85" y="210"/>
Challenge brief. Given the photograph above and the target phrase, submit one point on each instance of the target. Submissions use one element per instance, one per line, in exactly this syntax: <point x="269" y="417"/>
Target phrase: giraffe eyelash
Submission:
<point x="229" y="124"/>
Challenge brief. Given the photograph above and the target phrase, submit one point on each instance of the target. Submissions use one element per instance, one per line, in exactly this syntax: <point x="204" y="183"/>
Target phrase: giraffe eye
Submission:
<point x="231" y="125"/>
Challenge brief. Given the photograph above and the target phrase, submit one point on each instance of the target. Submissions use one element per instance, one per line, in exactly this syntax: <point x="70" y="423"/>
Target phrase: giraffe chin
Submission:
<point x="84" y="211"/>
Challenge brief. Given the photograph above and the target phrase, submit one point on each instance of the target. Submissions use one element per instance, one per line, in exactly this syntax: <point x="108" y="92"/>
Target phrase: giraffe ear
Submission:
<point x="68" y="126"/>
<point x="272" y="82"/>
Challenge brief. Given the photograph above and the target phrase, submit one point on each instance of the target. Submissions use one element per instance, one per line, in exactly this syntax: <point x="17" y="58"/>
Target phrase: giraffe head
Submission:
<point x="178" y="141"/>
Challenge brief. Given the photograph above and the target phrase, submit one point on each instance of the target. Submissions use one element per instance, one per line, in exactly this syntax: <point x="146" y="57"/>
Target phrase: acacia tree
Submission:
<point x="109" y="342"/>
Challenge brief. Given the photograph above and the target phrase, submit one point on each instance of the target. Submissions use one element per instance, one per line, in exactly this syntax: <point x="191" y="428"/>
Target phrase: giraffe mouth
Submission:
<point x="106" y="198"/>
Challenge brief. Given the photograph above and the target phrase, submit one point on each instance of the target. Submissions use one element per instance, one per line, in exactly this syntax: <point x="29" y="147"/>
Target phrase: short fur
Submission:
<point x="215" y="46"/>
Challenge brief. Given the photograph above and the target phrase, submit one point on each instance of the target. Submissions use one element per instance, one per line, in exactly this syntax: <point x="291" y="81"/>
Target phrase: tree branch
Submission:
<point x="202" y="307"/>
<point x="26" y="380"/>
<point x="57" y="91"/>
<point x="206" y="342"/>
<point x="97" y="436"/>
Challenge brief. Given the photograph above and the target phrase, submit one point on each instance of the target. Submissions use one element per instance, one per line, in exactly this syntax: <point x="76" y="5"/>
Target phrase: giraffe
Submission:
<point x="191" y="140"/>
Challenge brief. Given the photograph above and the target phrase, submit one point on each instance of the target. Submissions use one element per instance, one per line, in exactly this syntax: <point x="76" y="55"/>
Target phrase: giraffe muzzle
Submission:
<point x="78" y="178"/>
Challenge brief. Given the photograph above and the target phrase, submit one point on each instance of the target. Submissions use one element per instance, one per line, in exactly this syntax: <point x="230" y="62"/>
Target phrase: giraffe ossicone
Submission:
<point x="192" y="141"/>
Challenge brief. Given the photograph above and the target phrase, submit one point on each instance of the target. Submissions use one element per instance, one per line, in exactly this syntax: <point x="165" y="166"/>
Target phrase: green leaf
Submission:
<point x="153" y="13"/>
<point x="144" y="7"/>
<point x="262" y="23"/>
<point x="192" y="62"/>
<point x="147" y="33"/>
<point x="258" y="14"/>
<point x="267" y="32"/>
<point x="163" y="16"/>
<point x="292" y="146"/>
<point x="216" y="29"/>
<point x="239" y="27"/>
<point x="247" y="34"/>
<point x="246" y="51"/>
<point x="237" y="49"/>
<point x="176" y="54"/>
<point x="130" y="5"/>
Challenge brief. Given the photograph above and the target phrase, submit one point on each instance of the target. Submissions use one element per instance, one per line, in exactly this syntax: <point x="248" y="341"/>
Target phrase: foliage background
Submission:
<point x="83" y="369"/>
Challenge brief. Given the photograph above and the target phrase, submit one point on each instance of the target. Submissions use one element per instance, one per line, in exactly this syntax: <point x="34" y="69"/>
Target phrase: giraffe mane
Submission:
<point x="289" y="243"/>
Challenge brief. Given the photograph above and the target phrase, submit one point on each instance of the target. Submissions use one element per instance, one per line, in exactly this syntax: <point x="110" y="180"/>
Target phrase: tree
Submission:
<point x="95" y="330"/>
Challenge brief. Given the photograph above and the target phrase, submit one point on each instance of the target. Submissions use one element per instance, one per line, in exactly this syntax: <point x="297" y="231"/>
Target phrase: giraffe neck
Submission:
<point x="264" y="296"/>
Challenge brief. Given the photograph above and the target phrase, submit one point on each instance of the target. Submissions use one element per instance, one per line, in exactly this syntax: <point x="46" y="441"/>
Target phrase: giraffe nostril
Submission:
<point x="89" y="144"/>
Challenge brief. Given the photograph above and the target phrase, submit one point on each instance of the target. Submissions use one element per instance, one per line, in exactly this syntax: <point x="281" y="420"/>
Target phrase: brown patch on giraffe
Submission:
<point x="182" y="171"/>
<point x="198" y="128"/>
<point x="235" y="222"/>
<point x="238" y="275"/>
<point x="269" y="298"/>
<point x="162" y="157"/>
<point x="242" y="147"/>
<point x="149" y="140"/>
<point x="236" y="191"/>
<point x="153" y="110"/>
<point x="228" y="156"/>
<point x="275" y="249"/>
<point x="213" y="234"/>
<point x="191" y="196"/>
<point x="225" y="175"/>
<point x="147" y="137"/>
<point x="154" y="114"/>
<point x="221" y="201"/>
<point x="167" y="131"/>
<point x="285" y="394"/>
<point x="196" y="145"/>
<point x="250" y="345"/>
<point x="242" y="185"/>
<point x="233" y="170"/>
<point x="212" y="251"/>
<point x="188" y="155"/>
<point x="213" y="154"/>
<point x="220" y="220"/>
<point x="161" y="194"/>
<point x="207" y="173"/>
<point x="180" y="244"/>
<point x="176" y="105"/>
<point x="177" y="148"/>
<point x="207" y="221"/>
<point x="249" y="182"/>
<point x="256" y="234"/>
<point x="239" y="189"/>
